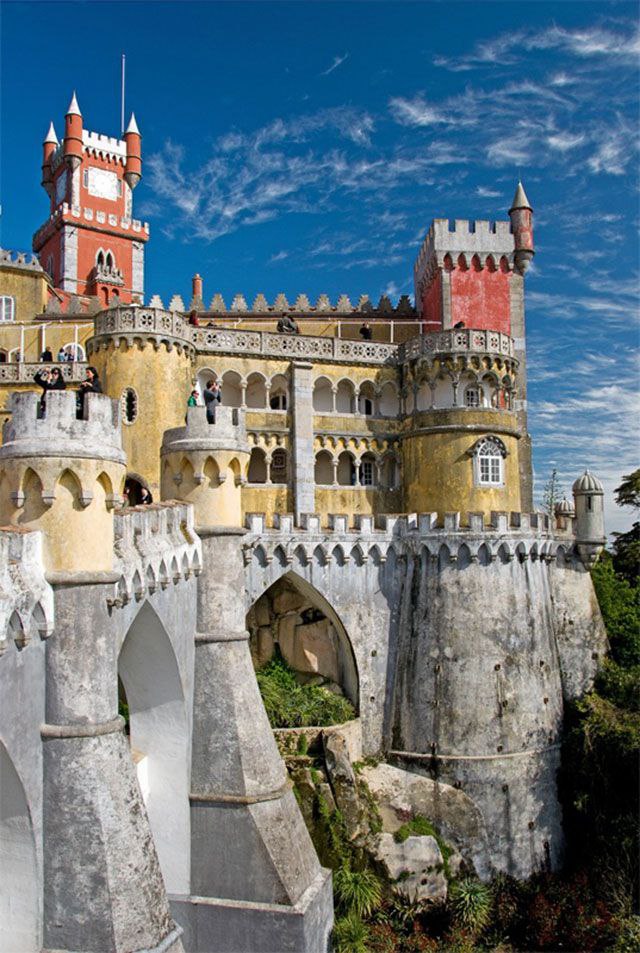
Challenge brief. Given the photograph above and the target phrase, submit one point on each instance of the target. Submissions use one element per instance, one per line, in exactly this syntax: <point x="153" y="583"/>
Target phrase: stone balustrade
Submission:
<point x="23" y="372"/>
<point x="457" y="341"/>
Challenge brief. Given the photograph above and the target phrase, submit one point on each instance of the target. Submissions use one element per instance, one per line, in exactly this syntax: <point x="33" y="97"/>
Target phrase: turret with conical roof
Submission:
<point x="521" y="215"/>
<point x="73" y="134"/>
<point x="49" y="146"/>
<point x="133" y="139"/>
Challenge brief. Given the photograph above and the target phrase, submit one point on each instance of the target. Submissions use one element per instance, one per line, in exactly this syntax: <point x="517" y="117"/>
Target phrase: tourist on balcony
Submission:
<point x="145" y="497"/>
<point x="90" y="385"/>
<point x="212" y="396"/>
<point x="287" y="325"/>
<point x="49" y="380"/>
<point x="61" y="356"/>
<point x="458" y="325"/>
<point x="365" y="331"/>
<point x="193" y="399"/>
<point x="46" y="357"/>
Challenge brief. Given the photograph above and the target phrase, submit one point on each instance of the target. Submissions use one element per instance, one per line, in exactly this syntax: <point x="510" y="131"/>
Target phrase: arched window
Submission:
<point x="100" y="259"/>
<point x="3" y="356"/>
<point x="7" y="308"/>
<point x="278" y="469"/>
<point x="257" y="466"/>
<point x="129" y="404"/>
<point x="322" y="396"/>
<point x="73" y="352"/>
<point x="323" y="472"/>
<point x="278" y="393"/>
<point x="488" y="457"/>
<point x="368" y="470"/>
<point x="109" y="261"/>
<point x="472" y="396"/>
<point x="366" y="399"/>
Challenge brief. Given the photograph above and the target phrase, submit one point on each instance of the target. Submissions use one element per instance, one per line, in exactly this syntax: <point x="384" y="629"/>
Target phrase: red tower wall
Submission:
<point x="432" y="305"/>
<point x="481" y="299"/>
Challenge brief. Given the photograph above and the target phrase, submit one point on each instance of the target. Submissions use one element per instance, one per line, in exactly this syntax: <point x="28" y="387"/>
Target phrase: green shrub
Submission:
<point x="620" y="607"/>
<point x="291" y="705"/>
<point x="350" y="935"/>
<point x="470" y="902"/>
<point x="357" y="891"/>
<point x="628" y="939"/>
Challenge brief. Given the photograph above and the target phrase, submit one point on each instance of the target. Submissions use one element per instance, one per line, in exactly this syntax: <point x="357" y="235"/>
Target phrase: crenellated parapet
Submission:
<point x="156" y="547"/>
<point x="20" y="260"/>
<point x="26" y="598"/>
<point x="441" y="538"/>
<point x="135" y="326"/>
<point x="206" y="464"/>
<point x="300" y="307"/>
<point x="64" y="474"/>
<point x="466" y="244"/>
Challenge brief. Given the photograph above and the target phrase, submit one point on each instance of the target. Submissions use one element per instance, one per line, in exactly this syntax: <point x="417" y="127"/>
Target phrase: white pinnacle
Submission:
<point x="74" y="109"/>
<point x="133" y="125"/>
<point x="51" y="135"/>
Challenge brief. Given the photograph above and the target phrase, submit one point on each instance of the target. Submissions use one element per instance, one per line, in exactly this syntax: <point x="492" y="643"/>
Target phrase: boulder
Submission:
<point x="401" y="795"/>
<point x="287" y="600"/>
<point x="287" y="637"/>
<point x="415" y="866"/>
<point x="264" y="646"/>
<point x="315" y="650"/>
<point x="343" y="782"/>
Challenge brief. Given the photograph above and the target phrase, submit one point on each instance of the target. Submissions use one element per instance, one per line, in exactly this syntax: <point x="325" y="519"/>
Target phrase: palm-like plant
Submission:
<point x="357" y="891"/>
<point x="470" y="903"/>
<point x="350" y="935"/>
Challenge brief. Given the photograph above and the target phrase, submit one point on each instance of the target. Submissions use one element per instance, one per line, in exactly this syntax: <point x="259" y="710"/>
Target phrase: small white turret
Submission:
<point x="589" y="506"/>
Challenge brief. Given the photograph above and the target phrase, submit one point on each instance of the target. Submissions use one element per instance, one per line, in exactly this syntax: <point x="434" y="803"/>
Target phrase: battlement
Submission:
<point x="156" y="546"/>
<point x="22" y="260"/>
<point x="59" y="432"/>
<point x="104" y="147"/>
<point x="89" y="215"/>
<point x="227" y="432"/>
<point x="484" y="239"/>
<point x="301" y="306"/>
<point x="486" y="538"/>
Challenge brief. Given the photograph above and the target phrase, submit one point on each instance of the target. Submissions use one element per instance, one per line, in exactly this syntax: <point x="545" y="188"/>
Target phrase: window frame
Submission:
<point x="488" y="467"/>
<point x="3" y="309"/>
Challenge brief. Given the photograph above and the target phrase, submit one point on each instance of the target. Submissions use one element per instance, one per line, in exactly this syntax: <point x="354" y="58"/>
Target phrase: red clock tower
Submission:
<point x="91" y="243"/>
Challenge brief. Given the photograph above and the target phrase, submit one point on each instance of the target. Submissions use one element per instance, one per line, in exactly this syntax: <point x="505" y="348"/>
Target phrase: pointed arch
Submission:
<point x="338" y="652"/>
<point x="19" y="884"/>
<point x="149" y="672"/>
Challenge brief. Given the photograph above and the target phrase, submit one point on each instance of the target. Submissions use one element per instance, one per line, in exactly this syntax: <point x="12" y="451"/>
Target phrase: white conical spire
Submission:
<point x="74" y="109"/>
<point x="520" y="199"/>
<point x="51" y="135"/>
<point x="133" y="125"/>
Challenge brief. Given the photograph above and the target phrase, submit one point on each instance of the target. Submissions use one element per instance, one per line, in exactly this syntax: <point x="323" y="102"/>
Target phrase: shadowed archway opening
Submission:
<point x="19" y="892"/>
<point x="292" y="620"/>
<point x="151" y="689"/>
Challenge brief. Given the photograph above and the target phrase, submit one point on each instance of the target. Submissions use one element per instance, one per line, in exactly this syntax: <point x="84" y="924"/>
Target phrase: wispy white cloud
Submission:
<point x="337" y="61"/>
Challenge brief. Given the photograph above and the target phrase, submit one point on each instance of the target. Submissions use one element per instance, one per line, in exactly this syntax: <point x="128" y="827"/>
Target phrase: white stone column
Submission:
<point x="303" y="462"/>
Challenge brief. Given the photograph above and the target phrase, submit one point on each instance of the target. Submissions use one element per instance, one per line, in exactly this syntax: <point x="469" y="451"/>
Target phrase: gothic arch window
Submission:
<point x="488" y="462"/>
<point x="129" y="404"/>
<point x="368" y="470"/>
<point x="7" y="308"/>
<point x="100" y="259"/>
<point x="109" y="261"/>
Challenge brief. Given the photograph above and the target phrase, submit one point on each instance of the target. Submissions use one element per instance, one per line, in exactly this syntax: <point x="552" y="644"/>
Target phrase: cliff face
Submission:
<point x="486" y="655"/>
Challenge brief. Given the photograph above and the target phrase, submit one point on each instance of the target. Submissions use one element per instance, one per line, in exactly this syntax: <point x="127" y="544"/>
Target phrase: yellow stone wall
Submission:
<point x="161" y="380"/>
<point x="438" y="472"/>
<point x="211" y="481"/>
<point x="29" y="288"/>
<point x="75" y="537"/>
<point x="276" y="498"/>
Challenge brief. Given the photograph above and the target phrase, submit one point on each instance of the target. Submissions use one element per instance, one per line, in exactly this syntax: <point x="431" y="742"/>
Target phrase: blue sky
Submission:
<point x="305" y="147"/>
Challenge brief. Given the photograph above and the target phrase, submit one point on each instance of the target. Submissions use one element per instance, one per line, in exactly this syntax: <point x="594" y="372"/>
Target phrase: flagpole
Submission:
<point x="122" y="98"/>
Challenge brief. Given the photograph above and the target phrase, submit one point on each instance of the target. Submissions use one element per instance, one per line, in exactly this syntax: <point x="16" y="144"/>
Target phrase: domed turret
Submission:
<point x="565" y="508"/>
<point x="73" y="134"/>
<point x="589" y="503"/>
<point x="521" y="215"/>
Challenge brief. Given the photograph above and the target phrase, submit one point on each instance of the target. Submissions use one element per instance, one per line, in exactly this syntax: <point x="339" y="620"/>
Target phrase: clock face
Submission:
<point x="102" y="184"/>
<point x="61" y="187"/>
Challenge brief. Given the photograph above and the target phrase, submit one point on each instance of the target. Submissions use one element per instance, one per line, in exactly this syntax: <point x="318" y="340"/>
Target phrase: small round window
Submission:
<point x="129" y="402"/>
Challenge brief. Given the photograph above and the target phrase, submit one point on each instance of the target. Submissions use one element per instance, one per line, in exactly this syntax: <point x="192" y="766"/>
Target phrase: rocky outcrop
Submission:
<point x="415" y="867"/>
<point x="343" y="783"/>
<point x="401" y="795"/>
